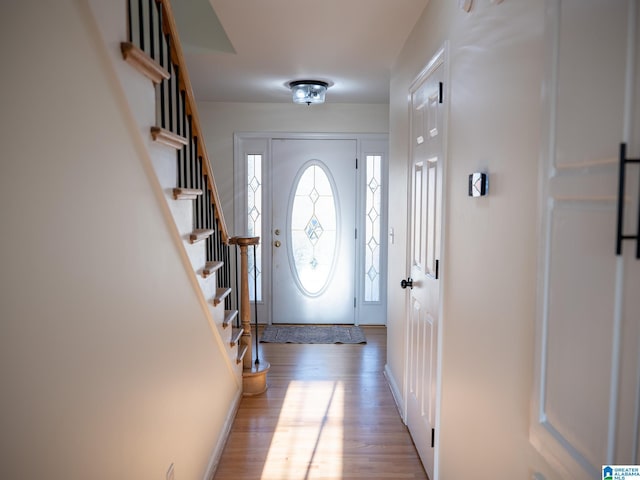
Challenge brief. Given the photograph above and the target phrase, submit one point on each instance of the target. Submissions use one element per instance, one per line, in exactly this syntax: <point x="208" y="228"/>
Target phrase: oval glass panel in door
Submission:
<point x="313" y="220"/>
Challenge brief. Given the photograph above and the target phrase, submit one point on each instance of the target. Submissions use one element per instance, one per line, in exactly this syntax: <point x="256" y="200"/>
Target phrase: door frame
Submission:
<point x="245" y="143"/>
<point x="439" y="59"/>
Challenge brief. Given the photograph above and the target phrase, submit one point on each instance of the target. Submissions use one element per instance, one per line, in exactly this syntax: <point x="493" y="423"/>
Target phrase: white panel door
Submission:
<point x="313" y="230"/>
<point x="425" y="223"/>
<point x="586" y="405"/>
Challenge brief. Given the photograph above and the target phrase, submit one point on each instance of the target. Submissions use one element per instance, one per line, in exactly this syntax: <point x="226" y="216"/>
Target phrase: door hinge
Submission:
<point x="356" y="163"/>
<point x="354" y="302"/>
<point x="440" y="95"/>
<point x="437" y="269"/>
<point x="356" y="233"/>
<point x="433" y="437"/>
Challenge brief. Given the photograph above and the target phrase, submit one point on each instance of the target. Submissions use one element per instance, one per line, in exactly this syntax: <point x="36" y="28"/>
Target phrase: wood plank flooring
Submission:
<point x="328" y="414"/>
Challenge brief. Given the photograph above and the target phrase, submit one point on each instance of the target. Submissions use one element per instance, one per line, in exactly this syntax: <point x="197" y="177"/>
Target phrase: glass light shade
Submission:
<point x="308" y="91"/>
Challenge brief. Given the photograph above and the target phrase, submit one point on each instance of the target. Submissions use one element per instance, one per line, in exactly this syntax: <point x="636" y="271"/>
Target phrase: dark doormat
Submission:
<point x="312" y="334"/>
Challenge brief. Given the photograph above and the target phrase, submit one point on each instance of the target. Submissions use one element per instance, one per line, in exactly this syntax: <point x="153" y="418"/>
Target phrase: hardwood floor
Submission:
<point x="328" y="414"/>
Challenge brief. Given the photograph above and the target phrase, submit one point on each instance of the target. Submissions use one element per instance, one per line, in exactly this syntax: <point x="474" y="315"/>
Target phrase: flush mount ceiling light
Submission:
<point x="308" y="91"/>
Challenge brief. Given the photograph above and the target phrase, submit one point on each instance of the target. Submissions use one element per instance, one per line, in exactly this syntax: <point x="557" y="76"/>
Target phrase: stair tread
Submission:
<point x="236" y="334"/>
<point x="211" y="267"/>
<point x="221" y="294"/>
<point x="241" y="353"/>
<point x="186" y="193"/>
<point x="169" y="138"/>
<point x="133" y="55"/>
<point x="229" y="316"/>
<point x="200" y="234"/>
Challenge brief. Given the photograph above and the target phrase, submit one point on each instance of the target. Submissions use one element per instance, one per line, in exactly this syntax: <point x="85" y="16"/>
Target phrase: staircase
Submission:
<point x="178" y="152"/>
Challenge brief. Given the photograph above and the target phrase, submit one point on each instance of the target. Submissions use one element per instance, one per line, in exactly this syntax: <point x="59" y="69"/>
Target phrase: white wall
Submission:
<point x="496" y="70"/>
<point x="221" y="120"/>
<point x="108" y="365"/>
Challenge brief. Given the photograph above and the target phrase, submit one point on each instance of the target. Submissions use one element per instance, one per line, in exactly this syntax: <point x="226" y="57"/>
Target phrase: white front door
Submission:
<point x="313" y="230"/>
<point x="425" y="231"/>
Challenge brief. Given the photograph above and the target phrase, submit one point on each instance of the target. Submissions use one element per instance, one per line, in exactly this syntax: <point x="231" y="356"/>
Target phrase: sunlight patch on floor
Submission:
<point x="307" y="442"/>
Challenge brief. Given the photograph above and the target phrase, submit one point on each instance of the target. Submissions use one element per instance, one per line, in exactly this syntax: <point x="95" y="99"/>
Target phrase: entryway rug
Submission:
<point x="312" y="334"/>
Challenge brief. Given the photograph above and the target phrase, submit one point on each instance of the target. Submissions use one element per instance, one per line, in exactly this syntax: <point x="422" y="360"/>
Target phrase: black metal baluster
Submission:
<point x="170" y="99"/>
<point x="182" y="168"/>
<point x="190" y="153"/>
<point x="176" y="86"/>
<point x="141" y="25"/>
<point x="152" y="43"/>
<point x="163" y="62"/>
<point x="179" y="112"/>
<point x="225" y="282"/>
<point x="227" y="267"/>
<point x="217" y="249"/>
<point x="207" y="218"/>
<point x="192" y="166"/>
<point x="255" y="300"/>
<point x="219" y="240"/>
<point x="212" y="214"/>
<point x="194" y="179"/>
<point x="130" y="22"/>
<point x="183" y="114"/>
<point x="163" y="110"/>
<point x="164" y="84"/>
<point x="200" y="202"/>
<point x="196" y="205"/>
<point x="207" y="204"/>
<point x="216" y="243"/>
<point x="214" y="237"/>
<point x="237" y="287"/>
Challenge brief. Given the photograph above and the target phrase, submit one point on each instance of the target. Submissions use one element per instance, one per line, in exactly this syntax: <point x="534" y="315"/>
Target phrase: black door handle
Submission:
<point x="407" y="283"/>
<point x="620" y="236"/>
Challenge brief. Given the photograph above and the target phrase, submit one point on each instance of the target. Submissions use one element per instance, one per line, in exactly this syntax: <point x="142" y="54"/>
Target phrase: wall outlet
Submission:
<point x="170" y="475"/>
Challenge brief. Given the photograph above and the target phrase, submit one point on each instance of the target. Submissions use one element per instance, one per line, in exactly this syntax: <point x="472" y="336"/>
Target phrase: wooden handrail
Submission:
<point x="177" y="57"/>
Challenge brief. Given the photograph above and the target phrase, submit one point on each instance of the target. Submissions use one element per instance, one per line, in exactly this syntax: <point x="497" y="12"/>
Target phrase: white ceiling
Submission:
<point x="247" y="50"/>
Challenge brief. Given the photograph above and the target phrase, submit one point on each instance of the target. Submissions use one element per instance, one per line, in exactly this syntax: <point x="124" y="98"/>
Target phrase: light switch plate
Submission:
<point x="478" y="184"/>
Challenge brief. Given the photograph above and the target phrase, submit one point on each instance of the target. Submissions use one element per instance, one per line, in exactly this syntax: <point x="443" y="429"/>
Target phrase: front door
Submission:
<point x="313" y="230"/>
<point x="425" y="223"/>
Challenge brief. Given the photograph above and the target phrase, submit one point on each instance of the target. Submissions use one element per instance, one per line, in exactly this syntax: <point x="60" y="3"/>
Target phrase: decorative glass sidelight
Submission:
<point x="254" y="223"/>
<point x="372" y="234"/>
<point x="314" y="235"/>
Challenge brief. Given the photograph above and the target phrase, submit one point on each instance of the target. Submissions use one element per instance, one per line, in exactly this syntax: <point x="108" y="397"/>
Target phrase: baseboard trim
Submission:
<point x="214" y="460"/>
<point x="395" y="391"/>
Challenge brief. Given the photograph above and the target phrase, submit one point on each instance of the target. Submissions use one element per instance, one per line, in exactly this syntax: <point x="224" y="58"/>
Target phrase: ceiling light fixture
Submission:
<point x="308" y="91"/>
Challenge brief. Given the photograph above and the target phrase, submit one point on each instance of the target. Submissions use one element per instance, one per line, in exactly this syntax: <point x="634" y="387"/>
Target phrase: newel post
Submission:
<point x="254" y="376"/>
